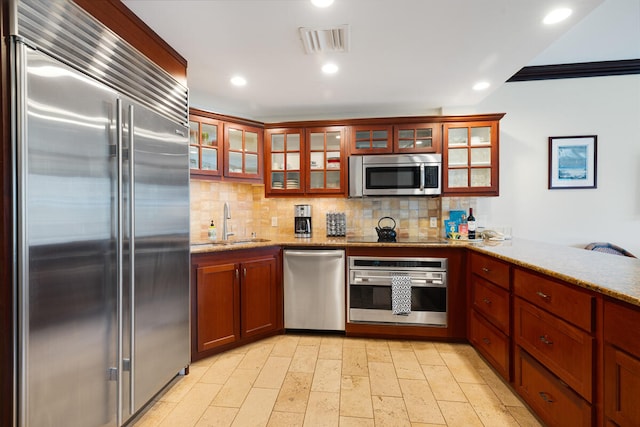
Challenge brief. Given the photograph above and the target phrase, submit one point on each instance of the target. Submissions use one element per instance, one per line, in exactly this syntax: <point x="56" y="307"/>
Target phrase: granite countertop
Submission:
<point x="612" y="275"/>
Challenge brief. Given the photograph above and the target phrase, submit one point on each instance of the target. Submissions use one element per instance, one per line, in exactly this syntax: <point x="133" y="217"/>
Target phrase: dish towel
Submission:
<point x="401" y="294"/>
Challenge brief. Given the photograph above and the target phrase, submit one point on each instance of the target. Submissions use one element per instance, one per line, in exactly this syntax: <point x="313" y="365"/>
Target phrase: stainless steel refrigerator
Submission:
<point x="102" y="208"/>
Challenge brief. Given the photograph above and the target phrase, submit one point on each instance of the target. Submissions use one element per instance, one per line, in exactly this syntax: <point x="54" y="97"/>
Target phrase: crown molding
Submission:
<point x="576" y="70"/>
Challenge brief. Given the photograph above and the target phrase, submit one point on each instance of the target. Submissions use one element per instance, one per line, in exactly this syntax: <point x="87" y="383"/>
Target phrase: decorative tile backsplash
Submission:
<point x="251" y="212"/>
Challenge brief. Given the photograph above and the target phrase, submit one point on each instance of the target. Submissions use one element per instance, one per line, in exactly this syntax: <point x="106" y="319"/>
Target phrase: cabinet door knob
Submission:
<point x="546" y="397"/>
<point x="485" y="269"/>
<point x="487" y="301"/>
<point x="486" y="340"/>
<point x="543" y="295"/>
<point x="545" y="340"/>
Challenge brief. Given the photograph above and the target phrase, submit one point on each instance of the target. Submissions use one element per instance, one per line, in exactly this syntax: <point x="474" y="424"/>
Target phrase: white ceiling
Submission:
<point x="407" y="57"/>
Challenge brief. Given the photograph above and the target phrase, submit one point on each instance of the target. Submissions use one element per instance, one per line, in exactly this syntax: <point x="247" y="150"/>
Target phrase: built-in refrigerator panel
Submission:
<point x="159" y="215"/>
<point x="103" y="189"/>
<point x="67" y="198"/>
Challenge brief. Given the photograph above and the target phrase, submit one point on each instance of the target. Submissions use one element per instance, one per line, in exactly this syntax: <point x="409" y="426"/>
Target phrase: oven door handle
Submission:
<point x="386" y="281"/>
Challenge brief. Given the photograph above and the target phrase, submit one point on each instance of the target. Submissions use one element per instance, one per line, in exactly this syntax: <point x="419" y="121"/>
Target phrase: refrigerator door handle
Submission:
<point x="119" y="258"/>
<point x="132" y="266"/>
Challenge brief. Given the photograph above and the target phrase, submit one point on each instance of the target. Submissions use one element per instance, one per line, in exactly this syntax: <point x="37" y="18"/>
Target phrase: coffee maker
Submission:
<point x="302" y="220"/>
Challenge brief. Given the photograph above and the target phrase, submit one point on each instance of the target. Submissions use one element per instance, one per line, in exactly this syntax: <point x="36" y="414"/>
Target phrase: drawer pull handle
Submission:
<point x="545" y="340"/>
<point x="485" y="269"/>
<point x="486" y="340"/>
<point x="543" y="295"/>
<point x="545" y="396"/>
<point x="487" y="301"/>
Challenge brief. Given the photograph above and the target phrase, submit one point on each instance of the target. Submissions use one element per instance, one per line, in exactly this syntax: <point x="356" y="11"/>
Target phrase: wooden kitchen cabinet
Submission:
<point x="306" y="161"/>
<point x="621" y="364"/>
<point x="217" y="306"/>
<point x="258" y="296"/>
<point x="243" y="152"/>
<point x="327" y="161"/>
<point x="371" y="139"/>
<point x="470" y="158"/>
<point x="490" y="307"/>
<point x="237" y="297"/>
<point x="396" y="138"/>
<point x="205" y="146"/>
<point x="225" y="148"/>
<point x="417" y="138"/>
<point x="554" y="347"/>
<point x="554" y="402"/>
<point x="285" y="161"/>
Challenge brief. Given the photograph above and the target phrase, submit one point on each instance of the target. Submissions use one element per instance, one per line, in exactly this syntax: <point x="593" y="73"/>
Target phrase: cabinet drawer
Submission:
<point x="493" y="344"/>
<point x="562" y="348"/>
<point x="571" y="304"/>
<point x="621" y="326"/>
<point x="621" y="387"/>
<point x="492" y="302"/>
<point x="491" y="269"/>
<point x="552" y="401"/>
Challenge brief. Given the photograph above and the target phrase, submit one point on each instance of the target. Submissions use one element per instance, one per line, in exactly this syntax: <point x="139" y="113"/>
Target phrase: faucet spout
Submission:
<point x="225" y="226"/>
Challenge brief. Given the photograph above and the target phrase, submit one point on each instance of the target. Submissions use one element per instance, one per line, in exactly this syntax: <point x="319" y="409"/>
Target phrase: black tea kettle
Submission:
<point x="386" y="233"/>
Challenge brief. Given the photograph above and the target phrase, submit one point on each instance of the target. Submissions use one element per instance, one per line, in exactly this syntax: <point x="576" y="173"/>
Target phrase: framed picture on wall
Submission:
<point x="573" y="161"/>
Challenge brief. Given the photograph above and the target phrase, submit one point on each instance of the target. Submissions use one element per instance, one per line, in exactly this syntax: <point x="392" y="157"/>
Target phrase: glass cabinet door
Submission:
<point x="243" y="152"/>
<point x="285" y="165"/>
<point x="204" y="145"/>
<point x="326" y="160"/>
<point x="470" y="158"/>
<point x="417" y="138"/>
<point x="371" y="139"/>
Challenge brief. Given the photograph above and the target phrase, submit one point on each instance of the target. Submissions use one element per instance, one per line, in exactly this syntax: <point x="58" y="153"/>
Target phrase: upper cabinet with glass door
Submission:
<point x="205" y="148"/>
<point x="285" y="162"/>
<point x="470" y="158"/>
<point x="371" y="139"/>
<point x="243" y="152"/>
<point x="326" y="160"/>
<point x="387" y="137"/>
<point x="417" y="138"/>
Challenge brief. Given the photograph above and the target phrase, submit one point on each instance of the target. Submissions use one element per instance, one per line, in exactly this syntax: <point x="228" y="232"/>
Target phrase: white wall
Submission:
<point x="608" y="107"/>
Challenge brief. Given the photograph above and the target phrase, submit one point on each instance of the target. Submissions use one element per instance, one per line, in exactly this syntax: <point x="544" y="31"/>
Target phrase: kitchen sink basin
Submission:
<point x="232" y="242"/>
<point x="248" y="240"/>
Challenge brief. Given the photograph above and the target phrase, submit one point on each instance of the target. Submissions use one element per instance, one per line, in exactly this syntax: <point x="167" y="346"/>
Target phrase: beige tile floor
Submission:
<point x="306" y="380"/>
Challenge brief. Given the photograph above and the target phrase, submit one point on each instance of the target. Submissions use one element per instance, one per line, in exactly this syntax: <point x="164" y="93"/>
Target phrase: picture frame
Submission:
<point x="573" y="162"/>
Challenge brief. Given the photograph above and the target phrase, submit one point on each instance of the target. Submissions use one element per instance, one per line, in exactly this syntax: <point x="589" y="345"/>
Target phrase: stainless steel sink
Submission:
<point x="232" y="242"/>
<point x="248" y="240"/>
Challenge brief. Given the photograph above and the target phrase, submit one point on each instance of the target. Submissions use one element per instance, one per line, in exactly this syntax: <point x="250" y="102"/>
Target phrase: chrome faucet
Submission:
<point x="225" y="227"/>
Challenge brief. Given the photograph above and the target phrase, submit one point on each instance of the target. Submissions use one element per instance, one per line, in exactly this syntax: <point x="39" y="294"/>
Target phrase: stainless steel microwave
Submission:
<point x="395" y="175"/>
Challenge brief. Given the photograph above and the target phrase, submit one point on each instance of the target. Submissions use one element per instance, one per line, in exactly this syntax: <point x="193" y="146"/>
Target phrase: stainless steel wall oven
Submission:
<point x="371" y="290"/>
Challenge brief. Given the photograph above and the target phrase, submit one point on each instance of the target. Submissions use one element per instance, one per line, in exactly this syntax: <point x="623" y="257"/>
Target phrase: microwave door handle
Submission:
<point x="421" y="176"/>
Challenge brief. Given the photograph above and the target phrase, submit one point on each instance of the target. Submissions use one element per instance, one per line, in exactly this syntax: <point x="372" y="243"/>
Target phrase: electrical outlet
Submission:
<point x="274" y="221"/>
<point x="433" y="222"/>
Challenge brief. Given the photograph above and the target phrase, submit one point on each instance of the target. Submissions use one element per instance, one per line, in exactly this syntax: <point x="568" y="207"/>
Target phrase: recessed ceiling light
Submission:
<point x="481" y="86"/>
<point x="322" y="3"/>
<point x="238" y="81"/>
<point x="330" y="68"/>
<point x="557" y="15"/>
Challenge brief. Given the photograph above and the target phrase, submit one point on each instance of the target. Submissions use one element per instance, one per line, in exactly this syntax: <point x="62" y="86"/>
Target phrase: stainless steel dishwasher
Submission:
<point x="314" y="289"/>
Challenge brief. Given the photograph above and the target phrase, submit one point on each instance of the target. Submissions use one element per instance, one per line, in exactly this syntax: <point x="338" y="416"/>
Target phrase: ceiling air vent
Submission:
<point x="320" y="40"/>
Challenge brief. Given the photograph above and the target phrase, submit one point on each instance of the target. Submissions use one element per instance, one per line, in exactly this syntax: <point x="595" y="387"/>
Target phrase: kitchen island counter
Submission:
<point x="612" y="275"/>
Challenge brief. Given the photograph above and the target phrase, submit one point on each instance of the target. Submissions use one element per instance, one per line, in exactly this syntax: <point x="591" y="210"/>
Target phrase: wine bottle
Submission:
<point x="471" y="225"/>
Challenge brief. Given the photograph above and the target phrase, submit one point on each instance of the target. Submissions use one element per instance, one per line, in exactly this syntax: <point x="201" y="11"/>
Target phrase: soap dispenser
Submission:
<point x="213" y="233"/>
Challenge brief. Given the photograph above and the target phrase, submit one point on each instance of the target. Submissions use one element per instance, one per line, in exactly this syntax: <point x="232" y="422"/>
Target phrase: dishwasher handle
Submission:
<point x="326" y="254"/>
